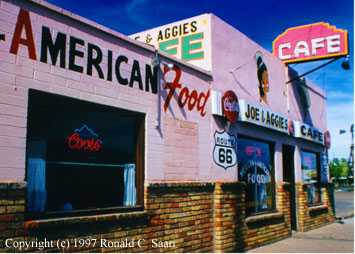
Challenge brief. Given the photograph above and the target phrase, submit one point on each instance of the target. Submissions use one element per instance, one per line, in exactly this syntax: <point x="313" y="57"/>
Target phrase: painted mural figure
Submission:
<point x="262" y="77"/>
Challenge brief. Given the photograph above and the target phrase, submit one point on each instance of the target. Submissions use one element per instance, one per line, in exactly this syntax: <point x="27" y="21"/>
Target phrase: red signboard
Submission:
<point x="328" y="141"/>
<point x="291" y="128"/>
<point x="230" y="106"/>
<point x="311" y="42"/>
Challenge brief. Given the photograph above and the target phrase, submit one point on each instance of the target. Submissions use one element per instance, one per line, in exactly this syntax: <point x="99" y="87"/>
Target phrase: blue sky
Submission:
<point x="262" y="21"/>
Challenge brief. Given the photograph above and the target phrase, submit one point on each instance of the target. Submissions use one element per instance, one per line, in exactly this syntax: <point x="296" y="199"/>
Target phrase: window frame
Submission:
<point x="139" y="118"/>
<point x="273" y="184"/>
<point x="318" y="184"/>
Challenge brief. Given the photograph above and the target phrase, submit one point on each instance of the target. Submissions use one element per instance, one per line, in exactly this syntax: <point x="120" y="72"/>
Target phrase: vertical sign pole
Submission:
<point x="287" y="88"/>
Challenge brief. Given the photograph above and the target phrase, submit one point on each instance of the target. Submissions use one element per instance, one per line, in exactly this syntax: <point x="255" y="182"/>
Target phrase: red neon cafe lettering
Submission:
<point x="331" y="43"/>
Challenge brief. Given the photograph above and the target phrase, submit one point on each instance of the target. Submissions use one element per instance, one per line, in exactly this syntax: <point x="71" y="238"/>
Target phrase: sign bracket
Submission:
<point x="308" y="72"/>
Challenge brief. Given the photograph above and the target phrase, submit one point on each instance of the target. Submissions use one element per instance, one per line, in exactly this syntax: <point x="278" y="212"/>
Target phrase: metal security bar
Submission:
<point x="85" y="164"/>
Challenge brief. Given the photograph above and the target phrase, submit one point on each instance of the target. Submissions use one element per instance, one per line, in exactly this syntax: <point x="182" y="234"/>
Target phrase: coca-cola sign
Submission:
<point x="230" y="106"/>
<point x="84" y="138"/>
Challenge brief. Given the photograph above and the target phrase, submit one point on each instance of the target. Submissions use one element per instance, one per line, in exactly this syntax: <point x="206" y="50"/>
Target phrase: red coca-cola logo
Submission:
<point x="230" y="106"/>
<point x="84" y="138"/>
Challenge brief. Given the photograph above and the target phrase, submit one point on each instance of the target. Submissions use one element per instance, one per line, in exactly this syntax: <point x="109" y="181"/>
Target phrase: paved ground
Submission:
<point x="334" y="238"/>
<point x="344" y="203"/>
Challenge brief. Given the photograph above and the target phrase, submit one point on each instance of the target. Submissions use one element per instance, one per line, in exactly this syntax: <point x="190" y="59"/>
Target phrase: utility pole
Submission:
<point x="351" y="158"/>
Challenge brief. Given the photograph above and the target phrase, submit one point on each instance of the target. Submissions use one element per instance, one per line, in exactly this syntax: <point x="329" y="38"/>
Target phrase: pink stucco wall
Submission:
<point x="181" y="148"/>
<point x="234" y="68"/>
<point x="164" y="158"/>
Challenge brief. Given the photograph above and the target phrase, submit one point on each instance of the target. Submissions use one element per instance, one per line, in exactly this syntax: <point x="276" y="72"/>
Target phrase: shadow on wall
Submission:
<point x="301" y="92"/>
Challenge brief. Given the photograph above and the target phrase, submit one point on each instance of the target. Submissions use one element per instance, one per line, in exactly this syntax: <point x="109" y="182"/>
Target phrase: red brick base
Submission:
<point x="236" y="233"/>
<point x="311" y="217"/>
<point x="178" y="217"/>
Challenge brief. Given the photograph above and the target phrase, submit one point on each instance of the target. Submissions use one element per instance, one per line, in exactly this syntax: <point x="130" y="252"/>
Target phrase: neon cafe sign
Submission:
<point x="311" y="42"/>
<point x="84" y="138"/>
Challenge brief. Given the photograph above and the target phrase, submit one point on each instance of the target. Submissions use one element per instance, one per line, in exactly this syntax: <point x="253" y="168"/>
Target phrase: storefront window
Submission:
<point x="82" y="157"/>
<point x="310" y="175"/>
<point x="255" y="168"/>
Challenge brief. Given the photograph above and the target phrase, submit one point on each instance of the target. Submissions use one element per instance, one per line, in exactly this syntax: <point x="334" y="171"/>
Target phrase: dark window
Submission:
<point x="82" y="157"/>
<point x="310" y="175"/>
<point x="255" y="168"/>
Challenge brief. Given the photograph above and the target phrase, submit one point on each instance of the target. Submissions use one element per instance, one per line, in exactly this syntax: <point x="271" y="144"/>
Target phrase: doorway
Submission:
<point x="289" y="176"/>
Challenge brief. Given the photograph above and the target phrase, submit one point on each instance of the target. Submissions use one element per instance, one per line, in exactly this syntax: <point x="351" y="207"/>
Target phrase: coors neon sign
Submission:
<point x="84" y="139"/>
<point x="311" y="42"/>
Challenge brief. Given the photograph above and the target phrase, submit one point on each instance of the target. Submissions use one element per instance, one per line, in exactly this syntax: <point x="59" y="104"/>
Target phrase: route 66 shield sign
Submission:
<point x="224" y="153"/>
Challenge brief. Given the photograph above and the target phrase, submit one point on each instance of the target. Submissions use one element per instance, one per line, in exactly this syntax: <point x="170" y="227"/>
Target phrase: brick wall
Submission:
<point x="178" y="217"/>
<point x="271" y="227"/>
<point x="236" y="233"/>
<point x="283" y="201"/>
<point x="185" y="211"/>
<point x="12" y="207"/>
<point x="310" y="217"/>
<point x="229" y="217"/>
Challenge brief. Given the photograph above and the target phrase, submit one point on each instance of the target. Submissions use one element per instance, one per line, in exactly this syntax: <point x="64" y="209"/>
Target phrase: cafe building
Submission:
<point x="185" y="138"/>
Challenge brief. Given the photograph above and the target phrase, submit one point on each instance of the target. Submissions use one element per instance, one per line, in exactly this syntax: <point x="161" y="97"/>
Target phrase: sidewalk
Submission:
<point x="337" y="237"/>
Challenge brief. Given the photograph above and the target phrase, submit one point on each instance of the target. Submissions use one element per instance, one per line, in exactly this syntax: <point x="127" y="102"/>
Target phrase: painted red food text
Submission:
<point x="185" y="97"/>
